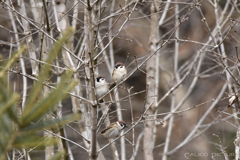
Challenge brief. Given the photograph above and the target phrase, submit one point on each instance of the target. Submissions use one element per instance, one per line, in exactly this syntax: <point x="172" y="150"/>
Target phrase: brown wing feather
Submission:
<point x="104" y="130"/>
<point x="107" y="128"/>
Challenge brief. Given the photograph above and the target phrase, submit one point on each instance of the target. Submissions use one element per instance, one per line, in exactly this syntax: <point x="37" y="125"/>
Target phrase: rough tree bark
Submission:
<point x="148" y="140"/>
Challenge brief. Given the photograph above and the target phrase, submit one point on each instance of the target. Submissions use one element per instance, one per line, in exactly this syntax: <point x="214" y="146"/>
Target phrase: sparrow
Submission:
<point x="119" y="72"/>
<point x="101" y="86"/>
<point x="114" y="129"/>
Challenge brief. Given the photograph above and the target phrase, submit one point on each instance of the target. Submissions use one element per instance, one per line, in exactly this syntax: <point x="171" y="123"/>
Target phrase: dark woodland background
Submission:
<point x="133" y="41"/>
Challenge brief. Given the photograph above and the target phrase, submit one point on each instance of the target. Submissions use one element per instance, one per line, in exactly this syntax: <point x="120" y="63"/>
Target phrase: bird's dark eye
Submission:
<point x="122" y="125"/>
<point x="116" y="67"/>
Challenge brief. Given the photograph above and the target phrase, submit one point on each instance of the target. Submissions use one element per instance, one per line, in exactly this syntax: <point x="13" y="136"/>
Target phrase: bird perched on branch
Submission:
<point x="119" y="73"/>
<point x="101" y="86"/>
<point x="114" y="129"/>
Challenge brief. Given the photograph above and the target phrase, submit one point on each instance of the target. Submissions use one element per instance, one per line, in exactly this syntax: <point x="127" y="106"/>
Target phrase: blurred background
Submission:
<point x="198" y="33"/>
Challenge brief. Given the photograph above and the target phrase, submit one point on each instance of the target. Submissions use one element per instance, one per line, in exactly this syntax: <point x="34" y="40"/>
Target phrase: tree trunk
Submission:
<point x="148" y="140"/>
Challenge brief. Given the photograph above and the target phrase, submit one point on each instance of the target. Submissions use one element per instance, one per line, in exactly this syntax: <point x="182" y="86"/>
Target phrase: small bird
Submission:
<point x="101" y="86"/>
<point x="119" y="72"/>
<point x="114" y="129"/>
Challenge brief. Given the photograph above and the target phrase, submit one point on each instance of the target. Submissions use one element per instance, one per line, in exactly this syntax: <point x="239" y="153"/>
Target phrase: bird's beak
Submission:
<point x="126" y="126"/>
